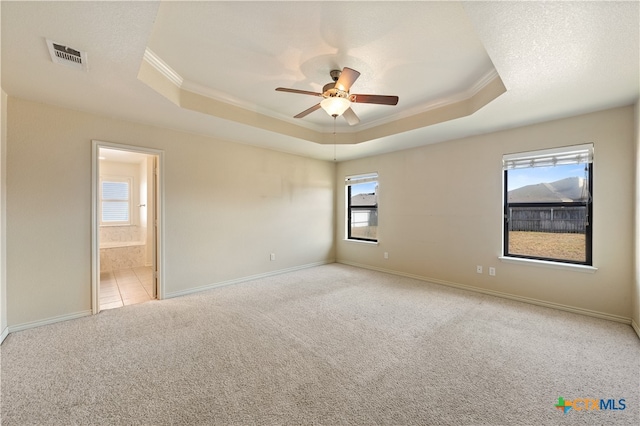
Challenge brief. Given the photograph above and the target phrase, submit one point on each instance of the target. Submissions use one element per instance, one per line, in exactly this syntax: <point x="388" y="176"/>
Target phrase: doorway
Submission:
<point x="126" y="225"/>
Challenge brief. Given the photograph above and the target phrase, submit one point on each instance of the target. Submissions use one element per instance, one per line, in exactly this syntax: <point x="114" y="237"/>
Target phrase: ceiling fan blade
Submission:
<point x="374" y="99"/>
<point x="307" y="111"/>
<point x="301" y="92"/>
<point x="347" y="77"/>
<point x="351" y="117"/>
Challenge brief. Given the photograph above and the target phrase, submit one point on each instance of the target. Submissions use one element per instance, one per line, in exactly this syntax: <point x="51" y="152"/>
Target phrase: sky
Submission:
<point x="363" y="188"/>
<point x="531" y="176"/>
<point x="517" y="177"/>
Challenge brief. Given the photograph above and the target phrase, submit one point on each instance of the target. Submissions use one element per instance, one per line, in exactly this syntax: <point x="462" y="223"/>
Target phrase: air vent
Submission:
<point x="65" y="55"/>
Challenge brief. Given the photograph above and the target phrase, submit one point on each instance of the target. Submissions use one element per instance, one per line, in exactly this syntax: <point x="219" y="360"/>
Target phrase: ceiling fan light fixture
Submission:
<point x="335" y="106"/>
<point x="336" y="98"/>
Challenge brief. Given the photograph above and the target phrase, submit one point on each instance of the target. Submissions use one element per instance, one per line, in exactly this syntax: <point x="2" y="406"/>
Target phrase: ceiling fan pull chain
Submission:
<point x="334" y="137"/>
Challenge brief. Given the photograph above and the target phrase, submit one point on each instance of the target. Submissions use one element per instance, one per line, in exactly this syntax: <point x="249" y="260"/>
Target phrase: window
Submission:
<point x="115" y="201"/>
<point x="362" y="207"/>
<point x="548" y="205"/>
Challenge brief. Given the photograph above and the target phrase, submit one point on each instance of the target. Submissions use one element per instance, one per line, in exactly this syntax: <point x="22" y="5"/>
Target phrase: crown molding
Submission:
<point x="190" y="95"/>
<point x="464" y="95"/>
<point x="170" y="74"/>
<point x="162" y="67"/>
<point x="219" y="96"/>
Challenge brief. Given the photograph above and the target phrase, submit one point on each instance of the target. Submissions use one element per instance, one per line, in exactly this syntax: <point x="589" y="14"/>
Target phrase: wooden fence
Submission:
<point x="548" y="219"/>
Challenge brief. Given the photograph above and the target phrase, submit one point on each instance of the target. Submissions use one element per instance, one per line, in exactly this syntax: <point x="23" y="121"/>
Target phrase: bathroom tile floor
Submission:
<point x="125" y="287"/>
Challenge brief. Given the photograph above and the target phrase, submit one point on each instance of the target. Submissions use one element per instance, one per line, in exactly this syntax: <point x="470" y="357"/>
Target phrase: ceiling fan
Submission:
<point x="337" y="99"/>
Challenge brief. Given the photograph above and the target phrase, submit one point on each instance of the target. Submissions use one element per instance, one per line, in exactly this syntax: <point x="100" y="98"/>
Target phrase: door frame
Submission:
<point x="159" y="213"/>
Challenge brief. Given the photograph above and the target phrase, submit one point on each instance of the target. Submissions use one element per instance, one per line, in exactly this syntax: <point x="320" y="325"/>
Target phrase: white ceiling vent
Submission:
<point x="65" y="55"/>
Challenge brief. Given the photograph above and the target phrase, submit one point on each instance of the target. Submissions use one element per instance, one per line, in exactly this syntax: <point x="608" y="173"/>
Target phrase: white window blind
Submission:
<point x="354" y="180"/>
<point x="577" y="154"/>
<point x="116" y="201"/>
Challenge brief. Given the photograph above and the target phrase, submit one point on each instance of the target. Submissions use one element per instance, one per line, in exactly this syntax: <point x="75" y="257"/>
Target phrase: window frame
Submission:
<point x="116" y="179"/>
<point x="588" y="204"/>
<point x="356" y="180"/>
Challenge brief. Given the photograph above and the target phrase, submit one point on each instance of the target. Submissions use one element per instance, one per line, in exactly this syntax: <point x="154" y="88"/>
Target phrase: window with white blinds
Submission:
<point x="578" y="154"/>
<point x="115" y="201"/>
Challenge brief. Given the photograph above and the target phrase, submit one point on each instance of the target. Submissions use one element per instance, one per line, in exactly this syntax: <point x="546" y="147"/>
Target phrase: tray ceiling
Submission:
<point x="212" y="67"/>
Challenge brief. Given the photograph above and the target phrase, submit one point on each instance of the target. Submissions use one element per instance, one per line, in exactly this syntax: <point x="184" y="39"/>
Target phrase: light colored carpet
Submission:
<point x="328" y="345"/>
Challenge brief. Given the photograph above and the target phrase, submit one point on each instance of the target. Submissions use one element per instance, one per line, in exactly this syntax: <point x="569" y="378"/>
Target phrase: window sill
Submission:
<point x="552" y="265"/>
<point x="371" y="243"/>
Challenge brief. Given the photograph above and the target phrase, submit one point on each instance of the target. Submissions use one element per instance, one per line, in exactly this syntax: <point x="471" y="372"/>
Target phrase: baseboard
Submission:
<point x="636" y="328"/>
<point x="244" y="279"/>
<point x="52" y="320"/>
<point x="532" y="301"/>
<point x="588" y="312"/>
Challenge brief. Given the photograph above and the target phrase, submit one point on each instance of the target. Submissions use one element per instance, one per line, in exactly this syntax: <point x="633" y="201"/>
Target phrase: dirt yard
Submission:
<point x="542" y="244"/>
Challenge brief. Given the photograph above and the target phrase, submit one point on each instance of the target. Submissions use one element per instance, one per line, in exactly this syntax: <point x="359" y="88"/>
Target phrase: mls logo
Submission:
<point x="590" y="404"/>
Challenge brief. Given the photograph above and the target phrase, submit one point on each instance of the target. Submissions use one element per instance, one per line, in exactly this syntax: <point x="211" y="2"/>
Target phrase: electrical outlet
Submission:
<point x="492" y="271"/>
<point x="479" y="269"/>
<point x="386" y="255"/>
<point x="273" y="256"/>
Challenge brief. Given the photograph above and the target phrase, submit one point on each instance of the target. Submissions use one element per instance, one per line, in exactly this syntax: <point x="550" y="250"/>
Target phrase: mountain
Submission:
<point x="564" y="190"/>
<point x="364" y="200"/>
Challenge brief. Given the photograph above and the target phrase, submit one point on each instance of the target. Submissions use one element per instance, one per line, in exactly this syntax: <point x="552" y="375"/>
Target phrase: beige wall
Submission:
<point x="441" y="206"/>
<point x="636" y="282"/>
<point x="227" y="207"/>
<point x="3" y="228"/>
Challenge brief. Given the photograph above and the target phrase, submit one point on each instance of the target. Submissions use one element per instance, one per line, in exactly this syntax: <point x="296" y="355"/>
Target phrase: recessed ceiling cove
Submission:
<point x="225" y="59"/>
<point x="210" y="68"/>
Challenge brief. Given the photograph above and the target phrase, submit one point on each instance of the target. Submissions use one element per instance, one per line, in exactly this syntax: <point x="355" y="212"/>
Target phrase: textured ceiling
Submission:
<point x="556" y="59"/>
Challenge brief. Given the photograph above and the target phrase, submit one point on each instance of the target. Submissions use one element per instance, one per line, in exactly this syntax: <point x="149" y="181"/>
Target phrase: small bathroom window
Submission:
<point x="115" y="201"/>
